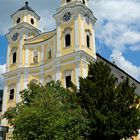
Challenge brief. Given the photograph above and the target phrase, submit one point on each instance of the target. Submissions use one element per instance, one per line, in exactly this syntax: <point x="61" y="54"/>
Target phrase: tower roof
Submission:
<point x="26" y="7"/>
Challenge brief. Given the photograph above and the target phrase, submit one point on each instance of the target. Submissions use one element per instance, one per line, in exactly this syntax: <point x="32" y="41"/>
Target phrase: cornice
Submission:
<point x="82" y="56"/>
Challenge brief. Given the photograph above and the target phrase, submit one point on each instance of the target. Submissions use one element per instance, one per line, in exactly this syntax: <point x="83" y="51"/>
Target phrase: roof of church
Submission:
<point x="26" y="7"/>
<point x="41" y="38"/>
<point x="114" y="65"/>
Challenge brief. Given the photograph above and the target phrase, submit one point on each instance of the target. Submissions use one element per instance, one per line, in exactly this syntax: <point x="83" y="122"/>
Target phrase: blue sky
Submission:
<point x="117" y="30"/>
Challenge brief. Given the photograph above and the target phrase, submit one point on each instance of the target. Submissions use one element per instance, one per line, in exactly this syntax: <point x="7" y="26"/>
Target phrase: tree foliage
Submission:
<point x="111" y="109"/>
<point x="46" y="113"/>
<point x="101" y="110"/>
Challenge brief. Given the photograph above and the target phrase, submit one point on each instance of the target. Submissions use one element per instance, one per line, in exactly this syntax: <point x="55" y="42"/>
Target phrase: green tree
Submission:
<point x="111" y="110"/>
<point x="46" y="113"/>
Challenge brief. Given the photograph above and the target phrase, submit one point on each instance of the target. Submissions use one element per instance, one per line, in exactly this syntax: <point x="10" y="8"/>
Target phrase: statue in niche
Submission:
<point x="35" y="56"/>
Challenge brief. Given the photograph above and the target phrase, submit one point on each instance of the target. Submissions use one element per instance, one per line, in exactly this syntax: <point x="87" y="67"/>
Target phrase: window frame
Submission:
<point x="49" y="53"/>
<point x="67" y="40"/>
<point x="13" y="51"/>
<point x="11" y="94"/>
<point x="67" y="74"/>
<point x="66" y="32"/>
<point x="14" y="58"/>
<point x="88" y="36"/>
<point x="35" y="57"/>
<point x="88" y="41"/>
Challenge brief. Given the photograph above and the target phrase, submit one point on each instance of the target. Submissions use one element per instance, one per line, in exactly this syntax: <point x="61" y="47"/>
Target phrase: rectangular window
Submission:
<point x="68" y="81"/>
<point x="49" y="54"/>
<point x="11" y="97"/>
<point x="14" y="57"/>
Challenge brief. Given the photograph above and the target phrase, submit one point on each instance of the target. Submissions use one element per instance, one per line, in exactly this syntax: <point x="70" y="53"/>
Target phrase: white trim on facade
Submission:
<point x="42" y="55"/>
<point x="18" y="90"/>
<point x="58" y="54"/>
<point x="58" y="71"/>
<point x="76" y="33"/>
<point x="77" y="70"/>
<point x="20" y="54"/>
<point x="25" y="18"/>
<point x="25" y="80"/>
<point x="26" y="57"/>
<point x="94" y="45"/>
<point x="8" y="58"/>
<point x="5" y="96"/>
<point x="85" y="69"/>
<point x="83" y="33"/>
<point x="41" y="75"/>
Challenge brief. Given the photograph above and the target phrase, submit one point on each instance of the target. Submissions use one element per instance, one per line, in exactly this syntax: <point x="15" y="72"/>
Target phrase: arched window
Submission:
<point x="32" y="21"/>
<point x="18" y="20"/>
<point x="14" y="57"/>
<point x="35" y="56"/>
<point x="49" y="53"/>
<point x="68" y="40"/>
<point x="88" y="41"/>
<point x="11" y="95"/>
<point x="68" y="0"/>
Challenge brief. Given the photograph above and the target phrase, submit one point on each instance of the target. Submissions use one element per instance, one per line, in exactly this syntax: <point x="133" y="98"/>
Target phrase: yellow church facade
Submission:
<point x="62" y="54"/>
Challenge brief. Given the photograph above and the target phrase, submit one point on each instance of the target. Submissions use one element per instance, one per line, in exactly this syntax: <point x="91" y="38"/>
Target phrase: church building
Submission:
<point x="62" y="54"/>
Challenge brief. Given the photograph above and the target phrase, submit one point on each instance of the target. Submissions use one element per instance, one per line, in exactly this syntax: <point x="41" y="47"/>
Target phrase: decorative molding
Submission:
<point x="55" y="62"/>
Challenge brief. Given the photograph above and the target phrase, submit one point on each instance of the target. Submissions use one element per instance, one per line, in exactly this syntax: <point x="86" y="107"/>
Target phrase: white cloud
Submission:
<point x="126" y="65"/>
<point x="135" y="48"/>
<point x="2" y="70"/>
<point x="118" y="29"/>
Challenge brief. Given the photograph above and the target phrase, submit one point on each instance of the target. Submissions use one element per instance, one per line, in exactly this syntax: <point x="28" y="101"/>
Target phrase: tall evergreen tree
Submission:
<point x="111" y="110"/>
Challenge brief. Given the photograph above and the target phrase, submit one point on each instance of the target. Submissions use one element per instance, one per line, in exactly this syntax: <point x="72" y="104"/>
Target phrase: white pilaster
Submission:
<point x="5" y="98"/>
<point x="58" y="71"/>
<point x="42" y="75"/>
<point x="20" y="53"/>
<point x="82" y="32"/>
<point x="25" y="82"/>
<point x="77" y="71"/>
<point x="54" y="46"/>
<point x="25" y="18"/>
<point x="58" y="54"/>
<point x="26" y="57"/>
<point x="26" y="76"/>
<point x="42" y="55"/>
<point x="76" y="29"/>
<point x="18" y="99"/>
<point x="4" y="122"/>
<point x="8" y="58"/>
<point x="93" y="36"/>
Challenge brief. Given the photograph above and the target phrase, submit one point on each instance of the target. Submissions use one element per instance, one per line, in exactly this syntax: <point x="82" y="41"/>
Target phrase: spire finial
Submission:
<point x="26" y="3"/>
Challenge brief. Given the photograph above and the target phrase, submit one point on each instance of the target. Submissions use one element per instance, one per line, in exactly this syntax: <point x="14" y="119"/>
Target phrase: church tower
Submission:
<point x="25" y="26"/>
<point x="75" y="27"/>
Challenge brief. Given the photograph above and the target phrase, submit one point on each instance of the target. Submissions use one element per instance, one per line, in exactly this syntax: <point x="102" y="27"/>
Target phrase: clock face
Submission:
<point x="67" y="16"/>
<point x="15" y="36"/>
